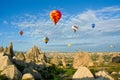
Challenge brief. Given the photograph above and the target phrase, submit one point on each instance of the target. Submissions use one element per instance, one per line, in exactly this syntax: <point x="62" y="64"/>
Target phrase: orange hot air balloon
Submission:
<point x="21" y="33"/>
<point x="55" y="16"/>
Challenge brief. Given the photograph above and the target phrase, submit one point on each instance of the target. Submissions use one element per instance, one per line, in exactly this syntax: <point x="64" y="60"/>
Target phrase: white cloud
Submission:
<point x="5" y="22"/>
<point x="0" y="34"/>
<point x="20" y="41"/>
<point x="109" y="9"/>
<point x="106" y="20"/>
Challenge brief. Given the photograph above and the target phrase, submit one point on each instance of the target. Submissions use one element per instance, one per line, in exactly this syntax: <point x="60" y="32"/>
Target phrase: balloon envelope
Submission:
<point x="21" y="33"/>
<point x="69" y="45"/>
<point x="74" y="28"/>
<point x="46" y="39"/>
<point x="93" y="25"/>
<point x="111" y="46"/>
<point x="55" y="16"/>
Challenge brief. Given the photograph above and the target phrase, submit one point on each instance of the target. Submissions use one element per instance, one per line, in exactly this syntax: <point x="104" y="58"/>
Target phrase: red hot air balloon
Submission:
<point x="55" y="16"/>
<point x="21" y="33"/>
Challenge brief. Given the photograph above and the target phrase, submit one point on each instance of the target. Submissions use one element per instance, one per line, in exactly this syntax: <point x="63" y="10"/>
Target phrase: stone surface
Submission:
<point x="63" y="62"/>
<point x="100" y="59"/>
<point x="55" y="60"/>
<point x="12" y="72"/>
<point x="4" y="62"/>
<point x="116" y="59"/>
<point x="28" y="76"/>
<point x="82" y="59"/>
<point x="102" y="75"/>
<point x="1" y="49"/>
<point x="19" y="56"/>
<point x="83" y="73"/>
<point x="10" y="50"/>
<point x="35" y="55"/>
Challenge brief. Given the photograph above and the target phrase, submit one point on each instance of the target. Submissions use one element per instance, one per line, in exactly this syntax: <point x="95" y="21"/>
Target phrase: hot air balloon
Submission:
<point x="46" y="39"/>
<point x="55" y="16"/>
<point x="69" y="45"/>
<point x="74" y="28"/>
<point x="111" y="46"/>
<point x="93" y="25"/>
<point x="21" y="33"/>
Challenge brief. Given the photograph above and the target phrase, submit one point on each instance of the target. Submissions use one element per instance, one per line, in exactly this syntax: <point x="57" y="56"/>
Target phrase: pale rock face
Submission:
<point x="55" y="60"/>
<point x="114" y="73"/>
<point x="12" y="72"/>
<point x="28" y="76"/>
<point x="63" y="62"/>
<point x="102" y="75"/>
<point x="5" y="49"/>
<point x="1" y="49"/>
<point x="10" y="50"/>
<point x="19" y="56"/>
<point x="83" y="73"/>
<point x="4" y="62"/>
<point x="35" y="55"/>
<point x="82" y="59"/>
<point x="100" y="59"/>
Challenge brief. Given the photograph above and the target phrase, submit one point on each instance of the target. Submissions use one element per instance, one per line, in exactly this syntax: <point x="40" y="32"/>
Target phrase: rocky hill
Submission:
<point x="37" y="65"/>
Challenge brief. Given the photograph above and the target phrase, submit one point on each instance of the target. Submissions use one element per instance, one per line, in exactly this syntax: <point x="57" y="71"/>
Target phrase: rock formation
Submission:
<point x="4" y="62"/>
<point x="19" y="56"/>
<point x="1" y="49"/>
<point x="10" y="50"/>
<point x="35" y="55"/>
<point x="12" y="72"/>
<point x="83" y="73"/>
<point x="116" y="59"/>
<point x="100" y="60"/>
<point x="102" y="75"/>
<point x="28" y="76"/>
<point x="11" y="65"/>
<point x="55" y="60"/>
<point x="63" y="62"/>
<point x="5" y="49"/>
<point x="82" y="59"/>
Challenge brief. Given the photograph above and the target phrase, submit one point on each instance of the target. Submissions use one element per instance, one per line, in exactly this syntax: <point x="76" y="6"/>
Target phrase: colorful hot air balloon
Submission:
<point x="69" y="45"/>
<point x="93" y="25"/>
<point x="55" y="16"/>
<point x="74" y="28"/>
<point x="21" y="33"/>
<point x="111" y="46"/>
<point x="46" y="39"/>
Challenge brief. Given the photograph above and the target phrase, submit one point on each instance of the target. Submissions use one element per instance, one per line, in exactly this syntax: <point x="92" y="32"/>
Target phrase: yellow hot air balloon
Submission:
<point x="69" y="45"/>
<point x="111" y="46"/>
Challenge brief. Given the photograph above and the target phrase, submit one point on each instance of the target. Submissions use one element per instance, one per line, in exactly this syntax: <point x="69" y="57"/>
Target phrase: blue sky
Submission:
<point x="32" y="16"/>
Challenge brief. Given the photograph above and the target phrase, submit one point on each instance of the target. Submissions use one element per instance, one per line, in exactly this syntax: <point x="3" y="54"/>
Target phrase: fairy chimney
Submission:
<point x="82" y="59"/>
<point x="63" y="62"/>
<point x="35" y="55"/>
<point x="9" y="50"/>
